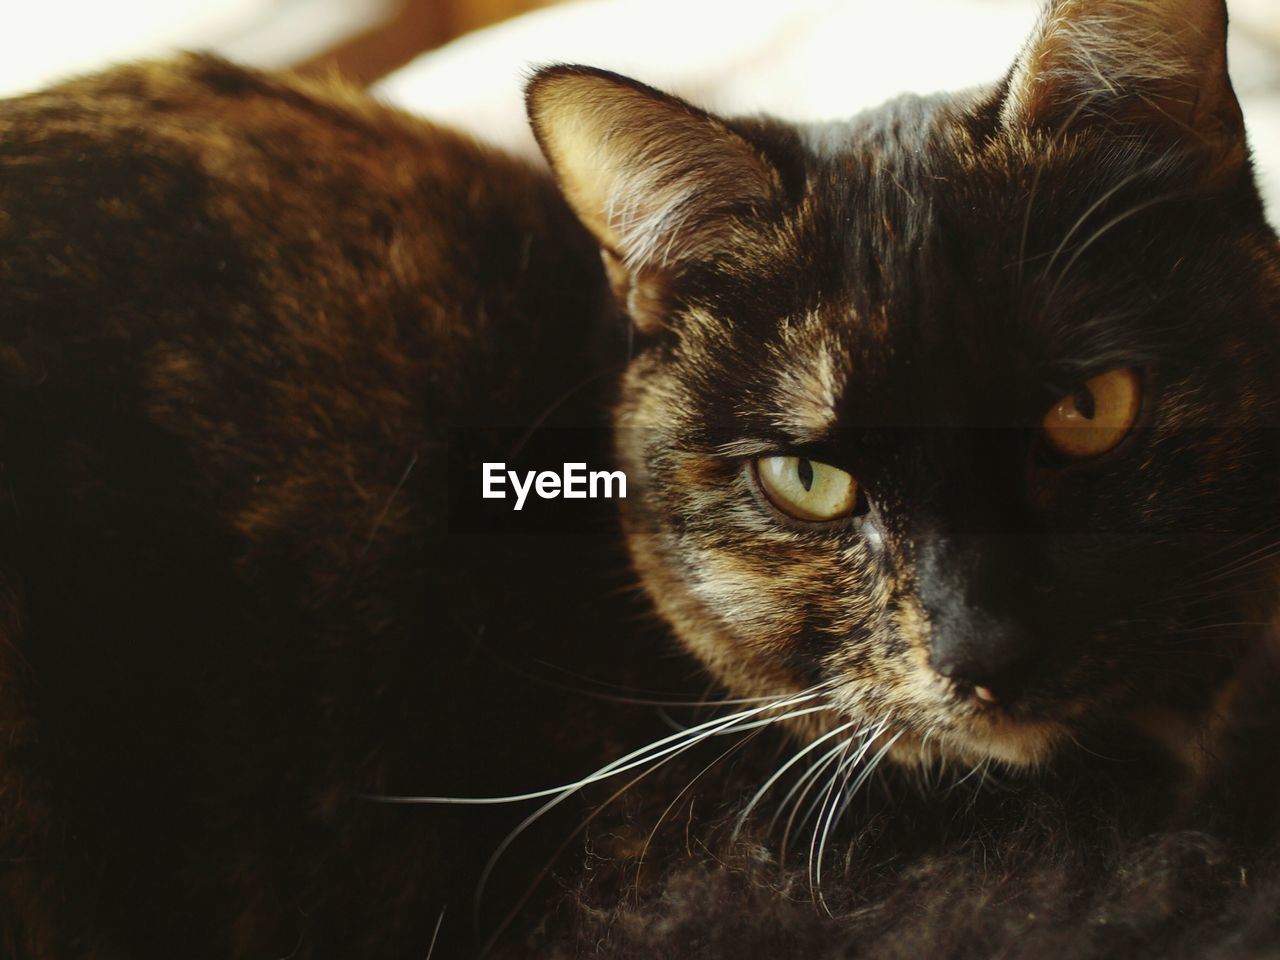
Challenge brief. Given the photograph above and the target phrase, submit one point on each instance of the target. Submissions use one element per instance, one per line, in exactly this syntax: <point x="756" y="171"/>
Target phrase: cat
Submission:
<point x="955" y="433"/>
<point x="992" y="417"/>
<point x="244" y="320"/>
<point x="949" y="440"/>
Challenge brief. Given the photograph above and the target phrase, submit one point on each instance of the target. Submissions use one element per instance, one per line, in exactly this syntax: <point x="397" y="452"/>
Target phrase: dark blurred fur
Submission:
<point x="1092" y="857"/>
<point x="238" y="316"/>
<point x="1089" y="860"/>
<point x="1183" y="894"/>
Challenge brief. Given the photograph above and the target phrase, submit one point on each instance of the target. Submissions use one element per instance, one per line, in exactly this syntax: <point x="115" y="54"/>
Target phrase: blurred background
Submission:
<point x="463" y="61"/>
<point x="366" y="39"/>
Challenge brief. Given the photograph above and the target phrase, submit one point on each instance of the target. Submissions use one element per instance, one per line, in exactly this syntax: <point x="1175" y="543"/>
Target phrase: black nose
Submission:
<point x="979" y="597"/>
<point x="974" y="647"/>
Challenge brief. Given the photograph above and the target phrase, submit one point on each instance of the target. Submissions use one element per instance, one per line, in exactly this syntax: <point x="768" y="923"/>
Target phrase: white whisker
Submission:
<point x="646" y="754"/>
<point x="802" y="787"/>
<point x="826" y="808"/>
<point x="846" y="798"/>
<point x="669" y="807"/>
<point x="436" y="932"/>
<point x="725" y="725"/>
<point x="1102" y="231"/>
<point x="1084" y="217"/>
<point x="742" y="817"/>
<point x="867" y="736"/>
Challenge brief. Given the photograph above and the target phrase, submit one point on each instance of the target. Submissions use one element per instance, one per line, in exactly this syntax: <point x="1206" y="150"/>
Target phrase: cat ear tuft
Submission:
<point x="658" y="181"/>
<point x="1144" y="64"/>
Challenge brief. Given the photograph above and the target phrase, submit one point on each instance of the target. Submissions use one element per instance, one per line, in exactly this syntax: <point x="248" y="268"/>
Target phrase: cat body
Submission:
<point x="240" y="317"/>
<point x="949" y="439"/>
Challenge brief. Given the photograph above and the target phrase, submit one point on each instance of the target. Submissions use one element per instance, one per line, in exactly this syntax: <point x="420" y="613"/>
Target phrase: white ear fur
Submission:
<point x="1139" y="63"/>
<point x="655" y="179"/>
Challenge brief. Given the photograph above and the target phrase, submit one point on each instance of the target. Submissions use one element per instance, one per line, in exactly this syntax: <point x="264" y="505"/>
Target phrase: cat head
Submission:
<point x="962" y="412"/>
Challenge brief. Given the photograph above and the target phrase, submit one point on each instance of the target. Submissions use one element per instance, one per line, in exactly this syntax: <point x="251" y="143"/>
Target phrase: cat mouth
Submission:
<point x="983" y="725"/>
<point x="988" y="734"/>
<point x="965" y="728"/>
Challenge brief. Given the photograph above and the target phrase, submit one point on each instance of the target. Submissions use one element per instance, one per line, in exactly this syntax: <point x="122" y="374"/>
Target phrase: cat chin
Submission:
<point x="1014" y="744"/>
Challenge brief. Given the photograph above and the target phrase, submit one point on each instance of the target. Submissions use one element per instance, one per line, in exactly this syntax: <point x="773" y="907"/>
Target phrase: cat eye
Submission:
<point x="1095" y="417"/>
<point x="807" y="489"/>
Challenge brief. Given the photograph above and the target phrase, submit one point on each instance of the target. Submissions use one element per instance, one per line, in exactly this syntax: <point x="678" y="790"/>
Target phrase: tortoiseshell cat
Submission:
<point x="950" y="439"/>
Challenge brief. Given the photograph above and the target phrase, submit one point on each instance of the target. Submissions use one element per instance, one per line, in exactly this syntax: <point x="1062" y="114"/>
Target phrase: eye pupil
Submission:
<point x="1096" y="416"/>
<point x="1085" y="403"/>
<point x="804" y="470"/>
<point x="806" y="489"/>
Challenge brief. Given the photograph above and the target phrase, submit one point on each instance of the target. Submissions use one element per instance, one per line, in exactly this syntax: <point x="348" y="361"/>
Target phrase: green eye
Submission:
<point x="806" y="489"/>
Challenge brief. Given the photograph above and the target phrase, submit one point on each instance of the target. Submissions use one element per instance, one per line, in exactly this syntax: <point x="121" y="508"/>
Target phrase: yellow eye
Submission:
<point x="807" y="489"/>
<point x="1093" y="419"/>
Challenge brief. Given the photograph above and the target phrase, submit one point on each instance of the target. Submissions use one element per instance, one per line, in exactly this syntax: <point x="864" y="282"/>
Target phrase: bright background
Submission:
<point x="804" y="59"/>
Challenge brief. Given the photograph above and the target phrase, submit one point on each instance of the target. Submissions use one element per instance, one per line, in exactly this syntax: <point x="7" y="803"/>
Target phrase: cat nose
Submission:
<point x="989" y="655"/>
<point x="978" y="598"/>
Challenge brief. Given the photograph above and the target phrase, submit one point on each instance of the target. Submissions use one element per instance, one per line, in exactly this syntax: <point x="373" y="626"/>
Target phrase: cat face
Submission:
<point x="962" y="412"/>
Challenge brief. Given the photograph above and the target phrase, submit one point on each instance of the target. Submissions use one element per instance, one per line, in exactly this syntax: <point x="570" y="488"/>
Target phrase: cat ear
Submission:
<point x="659" y="182"/>
<point x="1149" y="65"/>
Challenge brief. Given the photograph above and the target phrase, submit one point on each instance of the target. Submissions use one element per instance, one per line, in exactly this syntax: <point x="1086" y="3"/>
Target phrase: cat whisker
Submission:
<point x="1191" y="590"/>
<point x="983" y="770"/>
<point x="845" y="796"/>
<point x="1093" y="753"/>
<point x="1240" y="564"/>
<point x="652" y="756"/>
<point x="926" y="762"/>
<point x="1198" y="628"/>
<point x="537" y="422"/>
<point x="968" y="776"/>
<point x="875" y="761"/>
<point x="649" y="753"/>
<point x="1093" y="208"/>
<point x="865" y="736"/>
<point x="986" y="773"/>
<point x="796" y="758"/>
<point x="801" y="789"/>
<point x="689" y="786"/>
<point x="1104" y="230"/>
<point x="669" y="721"/>
<point x="628" y="695"/>
<point x="1026" y="229"/>
<point x="1022" y="261"/>
<point x="826" y="807"/>
<point x="1234" y="544"/>
<point x="381" y="518"/>
<point x="1189" y="597"/>
<point x="690" y="738"/>
<point x="1263" y="548"/>
<point x="596" y="811"/>
<point x="435" y="934"/>
<point x="685" y="742"/>
<point x="769" y="721"/>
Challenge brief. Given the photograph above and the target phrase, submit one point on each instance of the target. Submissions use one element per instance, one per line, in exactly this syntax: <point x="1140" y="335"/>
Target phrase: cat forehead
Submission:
<point x="896" y="129"/>
<point x="917" y="227"/>
<point x="880" y="322"/>
<point x="909" y="171"/>
<point x="869" y="272"/>
<point x="934" y="267"/>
